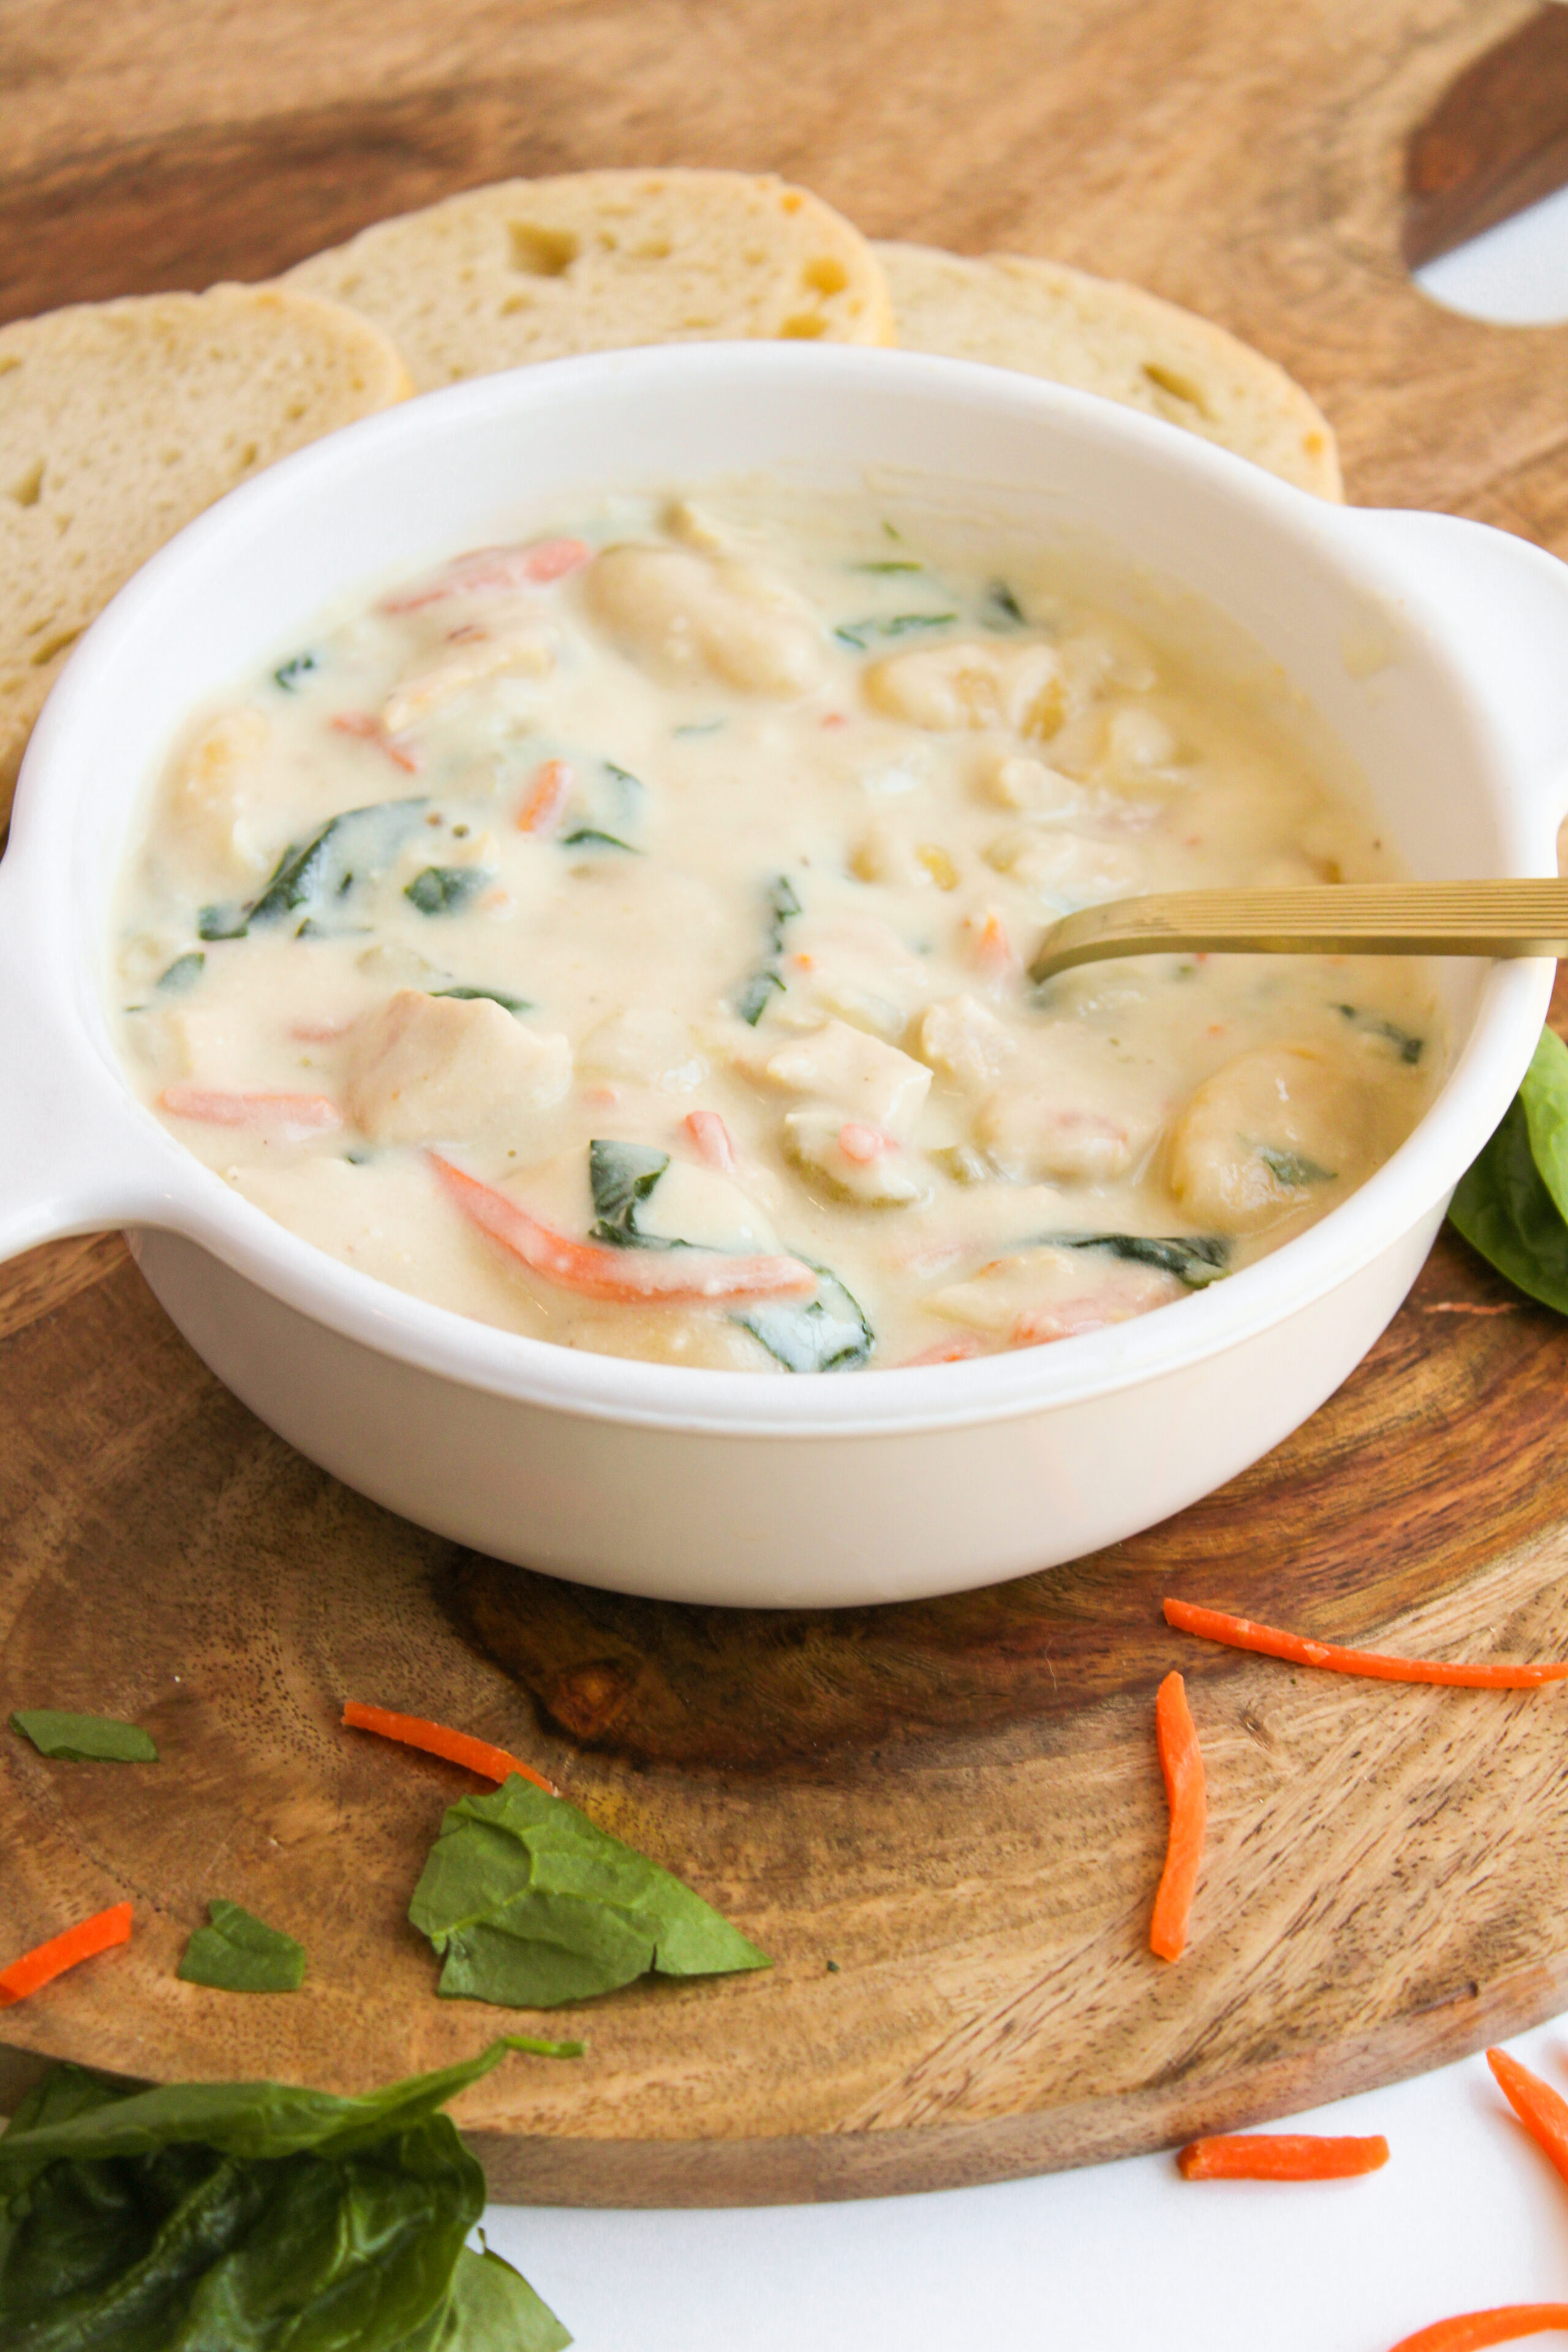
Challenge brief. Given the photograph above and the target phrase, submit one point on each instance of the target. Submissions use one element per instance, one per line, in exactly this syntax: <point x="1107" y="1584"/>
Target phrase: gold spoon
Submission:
<point x="1469" y="918"/>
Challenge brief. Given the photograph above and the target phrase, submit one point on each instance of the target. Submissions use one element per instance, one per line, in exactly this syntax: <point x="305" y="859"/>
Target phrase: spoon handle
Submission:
<point x="1473" y="919"/>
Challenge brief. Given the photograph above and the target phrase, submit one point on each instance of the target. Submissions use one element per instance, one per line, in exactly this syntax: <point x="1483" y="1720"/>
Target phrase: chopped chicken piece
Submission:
<point x="428" y="1067"/>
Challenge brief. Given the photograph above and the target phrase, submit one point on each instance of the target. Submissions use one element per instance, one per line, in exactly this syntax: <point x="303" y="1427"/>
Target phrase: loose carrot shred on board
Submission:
<point x="1182" y="1761"/>
<point x="457" y="1747"/>
<point x="1280" y="2156"/>
<point x="47" y="1961"/>
<point x="626" y="1277"/>
<point x="1301" y="1650"/>
<point x="1472" y="2331"/>
<point x="1537" y="2106"/>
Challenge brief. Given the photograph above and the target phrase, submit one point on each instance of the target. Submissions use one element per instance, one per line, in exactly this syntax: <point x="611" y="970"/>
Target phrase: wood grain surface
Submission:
<point x="957" y="1803"/>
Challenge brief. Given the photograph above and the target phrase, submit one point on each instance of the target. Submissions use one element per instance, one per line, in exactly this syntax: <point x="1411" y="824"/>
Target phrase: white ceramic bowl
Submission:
<point x="1433" y="648"/>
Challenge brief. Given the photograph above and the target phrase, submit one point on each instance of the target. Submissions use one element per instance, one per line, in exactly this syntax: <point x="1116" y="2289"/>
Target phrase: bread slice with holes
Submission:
<point x="121" y="421"/>
<point x="1098" y="335"/>
<point x="536" y="270"/>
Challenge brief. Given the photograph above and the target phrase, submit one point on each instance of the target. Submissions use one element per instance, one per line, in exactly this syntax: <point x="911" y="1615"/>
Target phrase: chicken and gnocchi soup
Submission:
<point x="620" y="936"/>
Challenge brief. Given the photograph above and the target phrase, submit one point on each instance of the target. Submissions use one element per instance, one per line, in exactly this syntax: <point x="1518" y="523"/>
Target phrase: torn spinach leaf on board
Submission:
<point x="1511" y="1202"/>
<point x="237" y="1952"/>
<point x="247" y="2217"/>
<point x="529" y="1904"/>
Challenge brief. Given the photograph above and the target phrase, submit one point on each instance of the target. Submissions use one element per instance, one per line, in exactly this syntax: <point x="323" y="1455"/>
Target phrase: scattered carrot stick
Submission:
<point x="47" y="1961"/>
<point x="713" y="1140"/>
<point x="1537" y="2106"/>
<point x="542" y="810"/>
<point x="489" y="571"/>
<point x="623" y="1276"/>
<point x="1280" y="2156"/>
<point x="479" y="1756"/>
<point x="1472" y="2331"/>
<point x="290" y="1117"/>
<point x="1241" y="1633"/>
<point x="1182" y="1761"/>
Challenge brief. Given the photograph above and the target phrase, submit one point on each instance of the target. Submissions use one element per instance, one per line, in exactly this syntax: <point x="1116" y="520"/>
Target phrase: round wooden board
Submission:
<point x="957" y="1803"/>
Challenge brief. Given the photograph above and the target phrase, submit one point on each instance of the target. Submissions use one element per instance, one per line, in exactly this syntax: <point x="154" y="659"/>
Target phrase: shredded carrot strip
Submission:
<point x="542" y="810"/>
<point x="47" y="1961"/>
<point x="1182" y="1761"/>
<point x="1280" y="2156"/>
<point x="479" y="1756"/>
<point x="621" y="1275"/>
<point x="711" y="1137"/>
<point x="488" y="569"/>
<point x="366" y="730"/>
<point x="290" y="1115"/>
<point x="1241" y="1633"/>
<point x="1472" y="2331"/>
<point x="1537" y="2106"/>
<point x="956" y="1350"/>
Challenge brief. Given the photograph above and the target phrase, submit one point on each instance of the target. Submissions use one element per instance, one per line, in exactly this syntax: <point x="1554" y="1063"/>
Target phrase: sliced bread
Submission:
<point x="536" y="270"/>
<point x="1098" y="335"/>
<point x="121" y="421"/>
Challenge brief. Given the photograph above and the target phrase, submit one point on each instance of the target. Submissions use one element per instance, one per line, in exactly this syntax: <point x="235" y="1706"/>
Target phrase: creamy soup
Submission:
<point x="620" y="936"/>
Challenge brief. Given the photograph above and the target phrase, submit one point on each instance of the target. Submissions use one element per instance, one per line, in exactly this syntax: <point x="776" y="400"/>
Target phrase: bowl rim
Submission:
<point x="163" y="1185"/>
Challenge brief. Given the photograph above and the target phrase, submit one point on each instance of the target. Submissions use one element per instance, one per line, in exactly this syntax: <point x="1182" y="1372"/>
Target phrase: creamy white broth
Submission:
<point x="659" y="989"/>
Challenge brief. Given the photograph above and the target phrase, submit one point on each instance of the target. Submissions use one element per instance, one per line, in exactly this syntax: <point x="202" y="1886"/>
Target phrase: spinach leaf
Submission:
<point x="701" y="727"/>
<point x="857" y="634"/>
<point x="491" y="995"/>
<point x="494" y="2309"/>
<point x="1196" y="1259"/>
<point x="240" y="1953"/>
<point x="827" y="1333"/>
<point x="288" y="673"/>
<point x="182" y="974"/>
<point x="1543" y="1091"/>
<point x="1002" y="608"/>
<point x="1510" y="1203"/>
<point x="313" y="878"/>
<point x="898" y="564"/>
<point x="588" y="836"/>
<point x="630" y="787"/>
<point x="1289" y="1169"/>
<point x="623" y="1176"/>
<point x="249" y="2216"/>
<point x="347" y="850"/>
<point x="446" y="889"/>
<point x="84" y="1739"/>
<point x="530" y="1905"/>
<point x="783" y="906"/>
<point x="1410" y="1049"/>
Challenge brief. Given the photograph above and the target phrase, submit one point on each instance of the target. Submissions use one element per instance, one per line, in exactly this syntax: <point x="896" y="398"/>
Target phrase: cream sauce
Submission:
<point x="604" y="936"/>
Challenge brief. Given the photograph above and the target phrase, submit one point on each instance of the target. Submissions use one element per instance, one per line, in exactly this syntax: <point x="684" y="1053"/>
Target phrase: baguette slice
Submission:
<point x="537" y="269"/>
<point x="121" y="421"/>
<point x="1098" y="335"/>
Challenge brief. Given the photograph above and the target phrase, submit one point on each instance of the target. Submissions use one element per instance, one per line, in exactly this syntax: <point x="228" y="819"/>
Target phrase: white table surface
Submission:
<point x="1121" y="2257"/>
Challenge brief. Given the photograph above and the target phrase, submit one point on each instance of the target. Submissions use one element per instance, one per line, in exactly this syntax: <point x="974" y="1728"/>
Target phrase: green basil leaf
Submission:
<point x="84" y="1739"/>
<point x="494" y="2309"/>
<point x="529" y="1904"/>
<point x="240" y="1953"/>
<point x="446" y="889"/>
<point x="1504" y="1209"/>
<point x="1196" y="1259"/>
<point x="827" y="1333"/>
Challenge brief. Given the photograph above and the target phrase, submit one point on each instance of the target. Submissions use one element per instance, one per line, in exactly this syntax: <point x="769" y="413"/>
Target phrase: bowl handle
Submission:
<point x="72" y="1158"/>
<point x="1511" y="599"/>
